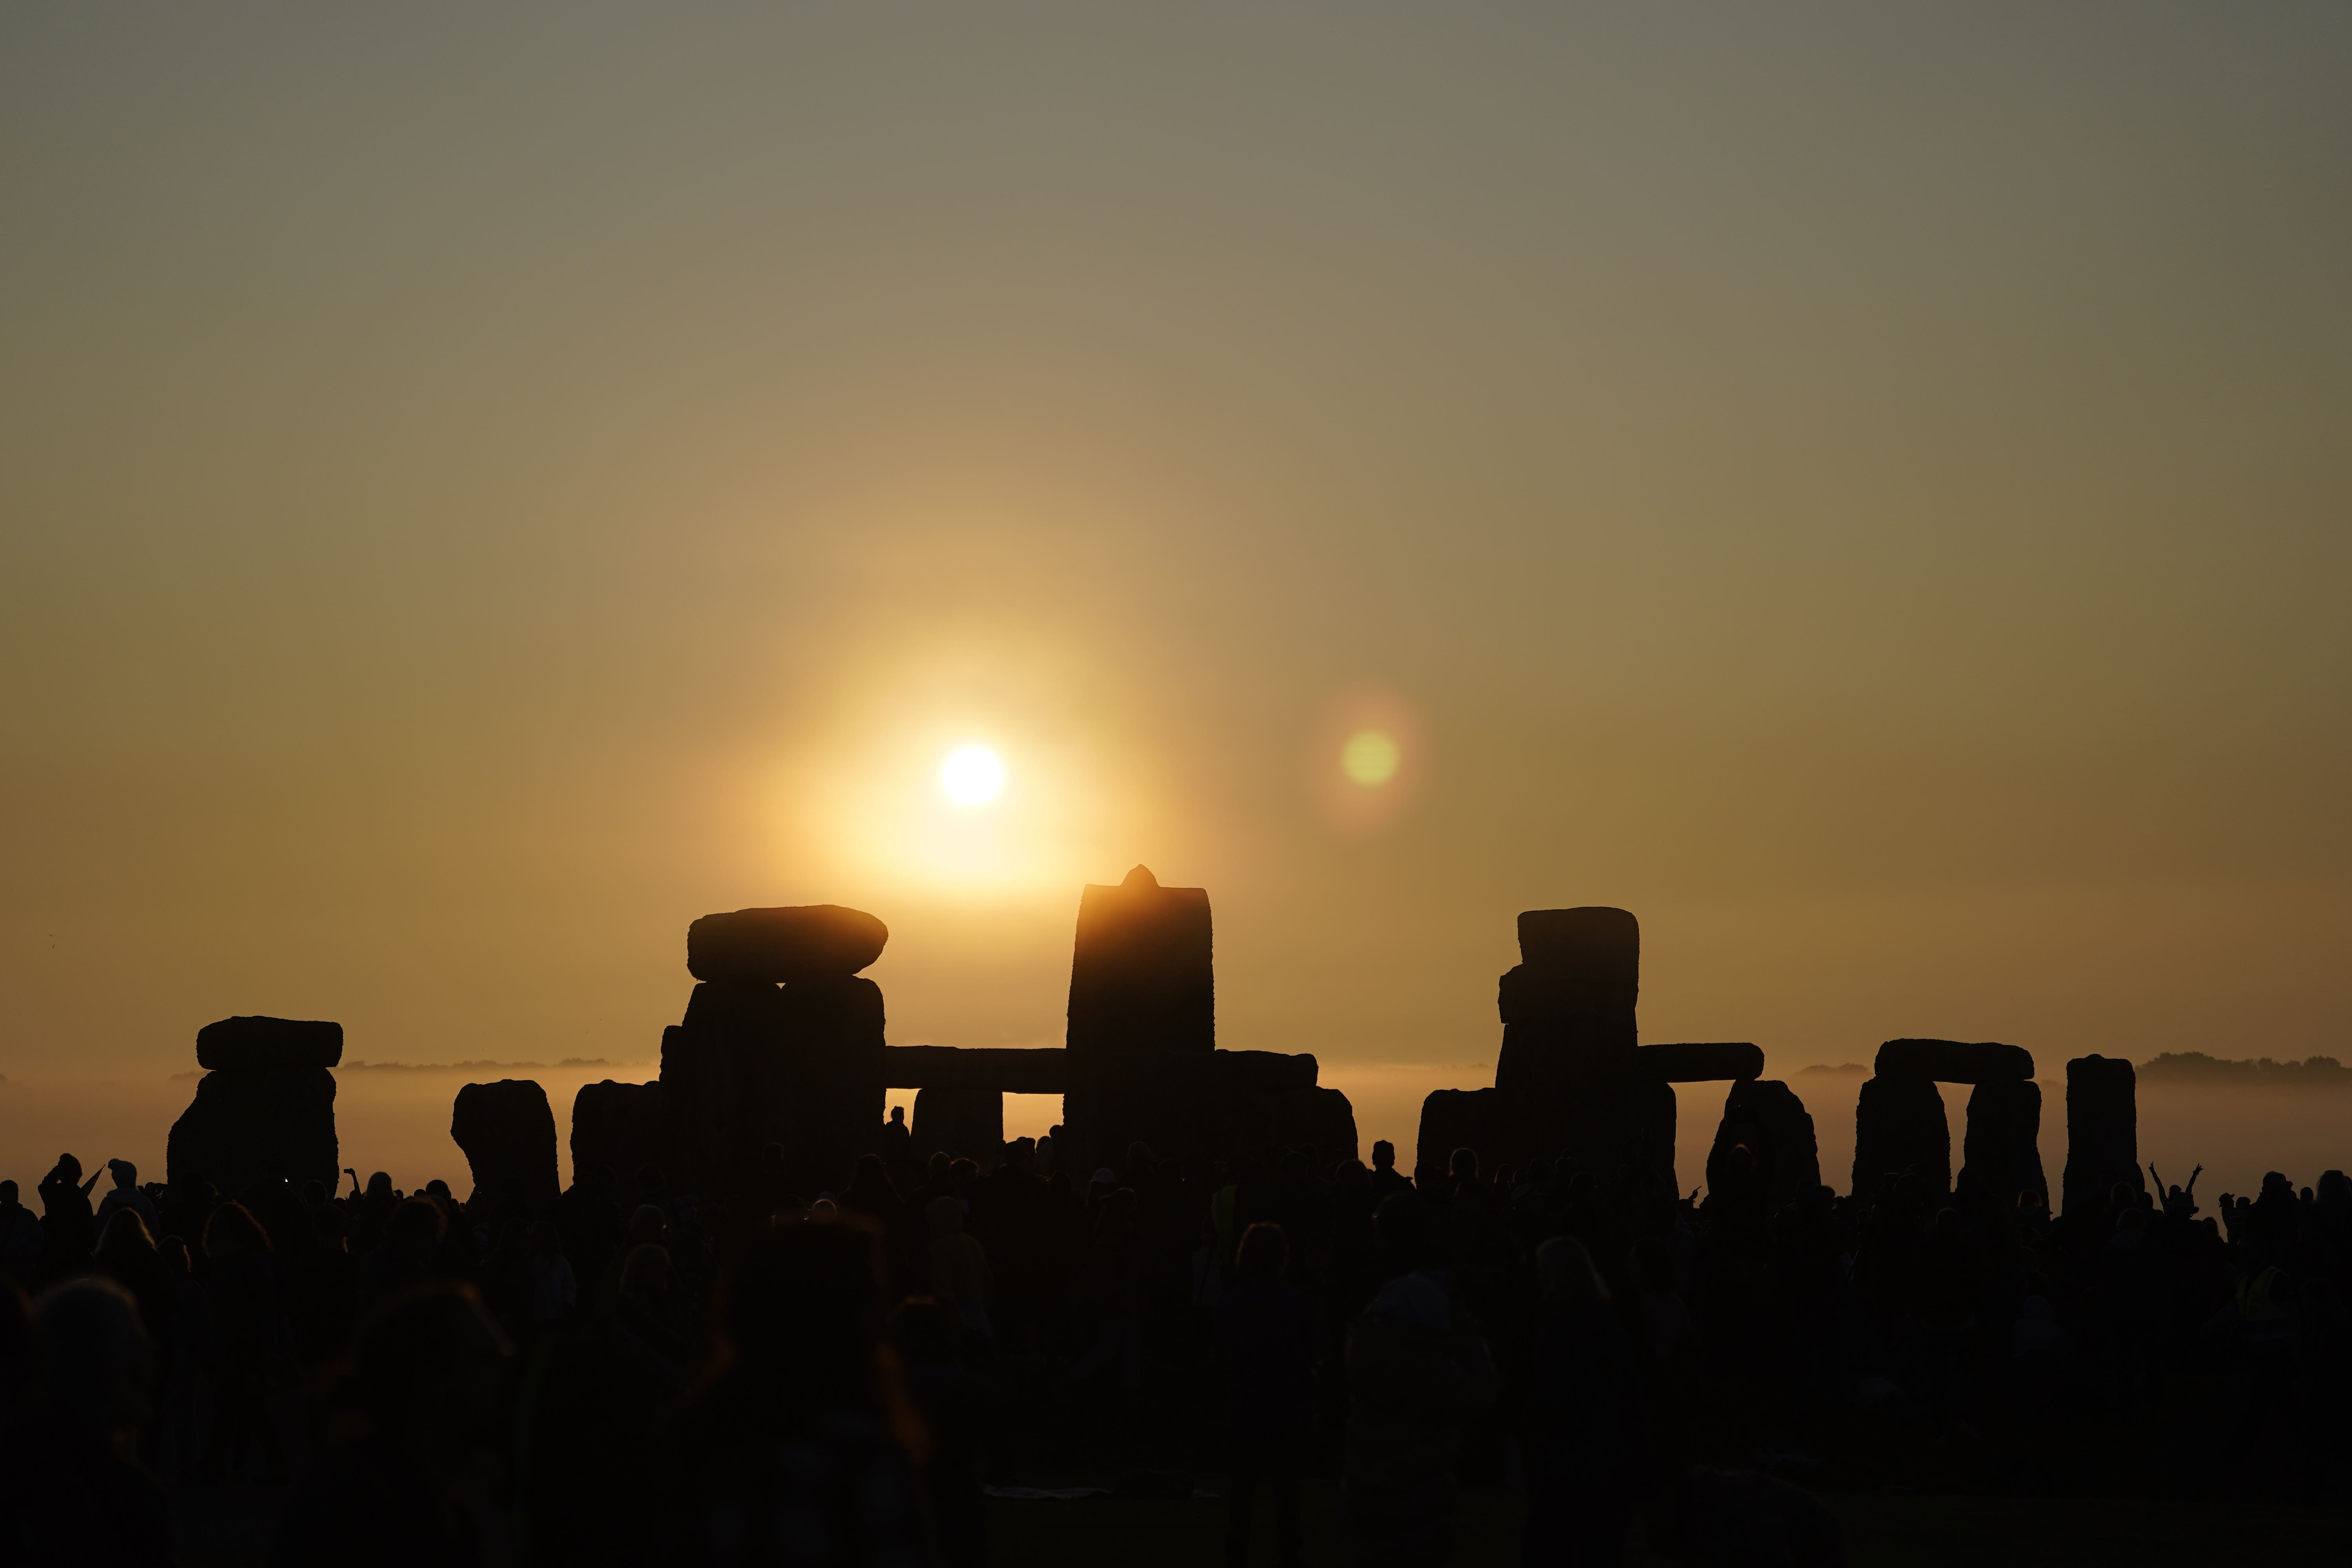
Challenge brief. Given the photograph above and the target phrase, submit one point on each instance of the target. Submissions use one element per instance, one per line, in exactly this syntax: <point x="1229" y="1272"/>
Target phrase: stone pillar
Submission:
<point x="2102" y="1130"/>
<point x="963" y="1123"/>
<point x="1317" y="1116"/>
<point x="266" y="1110"/>
<point x="1899" y="1126"/>
<point x="1766" y="1115"/>
<point x="2002" y="1154"/>
<point x="1142" y="973"/>
<point x="833" y="1040"/>
<point x="508" y="1133"/>
<point x="616" y="1127"/>
<point x="1455" y="1119"/>
<point x="1568" y="1006"/>
<point x="782" y="1044"/>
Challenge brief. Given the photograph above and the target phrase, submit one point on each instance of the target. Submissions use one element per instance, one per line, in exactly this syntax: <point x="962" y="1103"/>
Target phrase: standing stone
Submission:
<point x="1766" y="1115"/>
<point x="697" y="1110"/>
<point x="2001" y="1155"/>
<point x="832" y="1113"/>
<point x="616" y="1127"/>
<point x="508" y="1133"/>
<point x="1317" y="1116"/>
<point x="963" y="1123"/>
<point x="1218" y="1103"/>
<point x="251" y="1124"/>
<point x="1142" y="973"/>
<point x="1568" y="1008"/>
<point x="805" y="942"/>
<point x="2102" y="1130"/>
<point x="1899" y="1126"/>
<point x="1455" y="1119"/>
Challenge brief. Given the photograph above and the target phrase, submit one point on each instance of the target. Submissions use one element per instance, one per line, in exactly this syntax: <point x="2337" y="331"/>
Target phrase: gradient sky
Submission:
<point x="1865" y="489"/>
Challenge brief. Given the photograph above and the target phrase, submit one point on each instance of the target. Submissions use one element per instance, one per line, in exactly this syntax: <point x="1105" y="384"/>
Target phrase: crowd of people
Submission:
<point x="772" y="1375"/>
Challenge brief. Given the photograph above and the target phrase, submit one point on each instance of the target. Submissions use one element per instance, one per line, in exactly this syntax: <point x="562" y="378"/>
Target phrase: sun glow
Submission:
<point x="971" y="776"/>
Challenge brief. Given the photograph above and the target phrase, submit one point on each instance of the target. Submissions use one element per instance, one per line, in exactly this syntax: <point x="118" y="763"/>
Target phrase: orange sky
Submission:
<point x="481" y="488"/>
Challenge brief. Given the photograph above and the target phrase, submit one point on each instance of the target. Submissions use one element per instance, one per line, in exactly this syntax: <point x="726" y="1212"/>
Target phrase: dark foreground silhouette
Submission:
<point x="374" y="1377"/>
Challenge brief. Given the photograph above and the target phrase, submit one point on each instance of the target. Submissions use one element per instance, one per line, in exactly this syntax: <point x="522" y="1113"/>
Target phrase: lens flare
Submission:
<point x="1370" y="758"/>
<point x="971" y="776"/>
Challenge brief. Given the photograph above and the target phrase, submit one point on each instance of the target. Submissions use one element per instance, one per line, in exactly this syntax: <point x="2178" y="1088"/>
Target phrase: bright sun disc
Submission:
<point x="973" y="775"/>
<point x="1370" y="758"/>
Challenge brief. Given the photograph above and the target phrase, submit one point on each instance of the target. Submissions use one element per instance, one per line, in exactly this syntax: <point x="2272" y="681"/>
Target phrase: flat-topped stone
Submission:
<point x="1593" y="943"/>
<point x="799" y="942"/>
<point x="1142" y="972"/>
<point x="259" y="1042"/>
<point x="1954" y="1061"/>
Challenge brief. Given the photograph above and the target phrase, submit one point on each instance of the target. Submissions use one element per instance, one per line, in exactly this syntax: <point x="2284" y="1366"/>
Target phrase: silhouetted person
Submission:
<point x="74" y="1377"/>
<point x="1267" y="1334"/>
<point x="959" y="1267"/>
<point x="643" y="1328"/>
<point x="1386" y="1177"/>
<point x="1415" y="1371"/>
<point x="246" y="1345"/>
<point x="126" y="1195"/>
<point x="126" y="1254"/>
<point x="930" y="1342"/>
<point x="410" y="1478"/>
<point x="554" y="1288"/>
<point x="1581" y="1409"/>
<point x="404" y="1257"/>
<point x="898" y="1142"/>
<point x="20" y="1238"/>
<point x="793" y="1452"/>
<point x="68" y="1228"/>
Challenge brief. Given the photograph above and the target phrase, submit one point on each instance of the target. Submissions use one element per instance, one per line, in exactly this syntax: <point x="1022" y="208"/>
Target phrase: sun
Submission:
<point x="971" y="776"/>
<point x="1370" y="758"/>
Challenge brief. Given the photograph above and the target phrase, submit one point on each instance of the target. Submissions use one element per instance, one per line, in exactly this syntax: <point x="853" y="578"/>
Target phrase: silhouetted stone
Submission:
<point x="508" y="1133"/>
<point x="2102" y="1130"/>
<point x="1592" y="944"/>
<point x="804" y="941"/>
<point x="833" y="1031"/>
<point x="1006" y="1069"/>
<point x="1218" y="1103"/>
<point x="1766" y="1115"/>
<point x="250" y="1124"/>
<point x="1455" y="1119"/>
<point x="754" y="1064"/>
<point x="2001" y="1153"/>
<point x="964" y="1124"/>
<point x="1317" y="1116"/>
<point x="1568" y="1007"/>
<point x="1142" y="973"/>
<point x="1899" y="1126"/>
<point x="616" y="1127"/>
<point x="1700" y="1062"/>
<point x="258" y="1042"/>
<point x="1954" y="1061"/>
<point x="697" y="1110"/>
